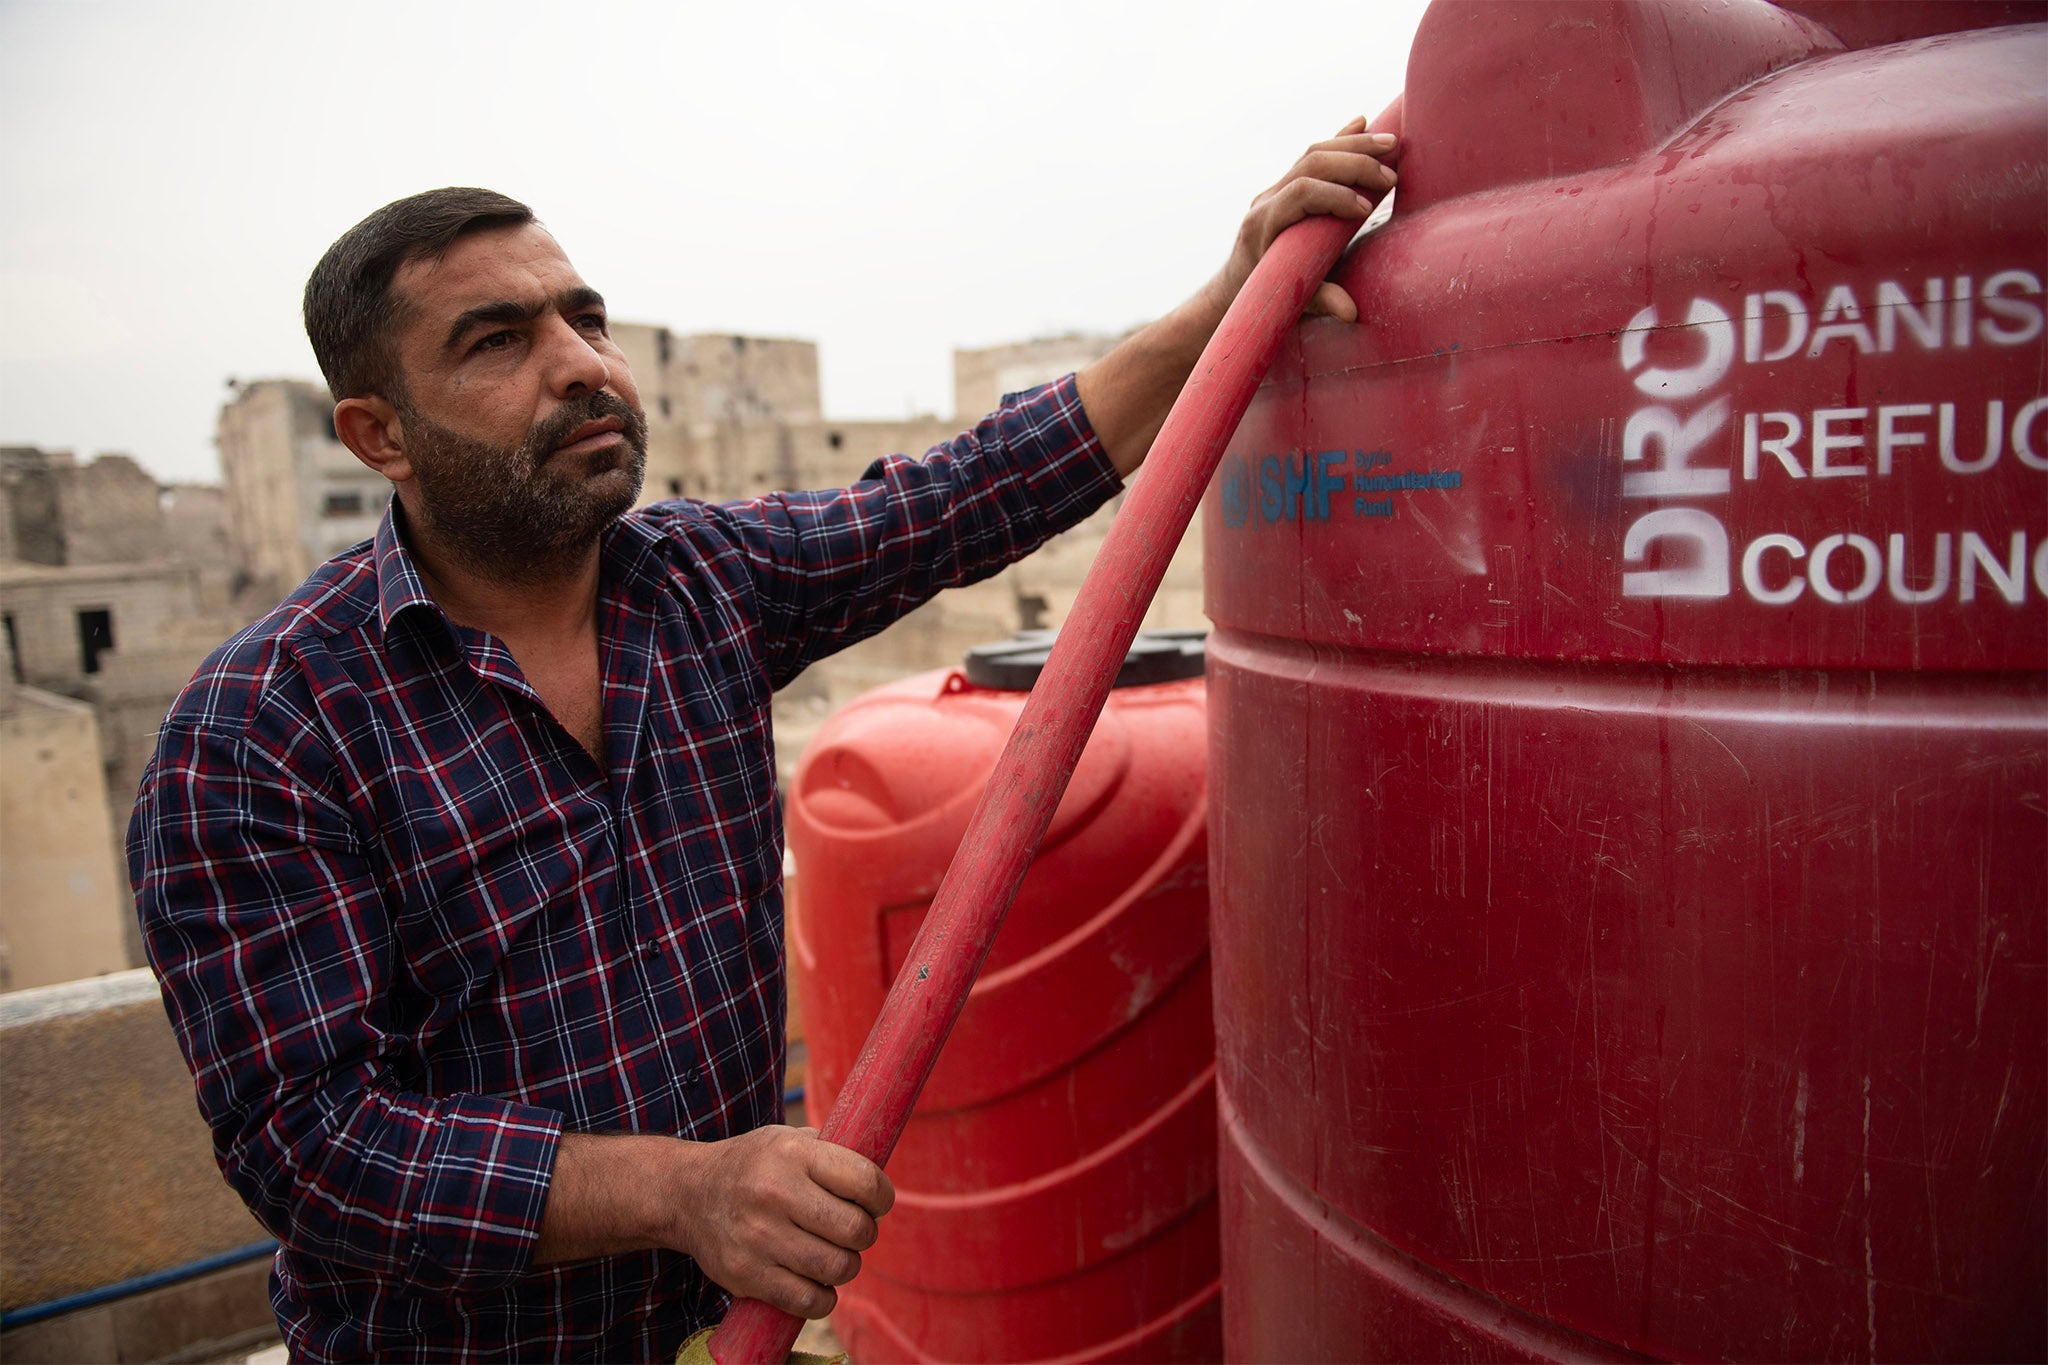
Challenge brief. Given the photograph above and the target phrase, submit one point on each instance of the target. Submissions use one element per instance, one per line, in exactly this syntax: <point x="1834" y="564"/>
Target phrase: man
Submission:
<point x="460" y="869"/>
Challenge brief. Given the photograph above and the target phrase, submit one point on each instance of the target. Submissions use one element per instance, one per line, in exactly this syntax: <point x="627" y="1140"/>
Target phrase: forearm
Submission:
<point x="1128" y="392"/>
<point x="612" y="1194"/>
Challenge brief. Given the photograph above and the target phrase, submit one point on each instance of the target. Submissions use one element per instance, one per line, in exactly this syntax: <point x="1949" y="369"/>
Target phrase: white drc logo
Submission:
<point x="1675" y="436"/>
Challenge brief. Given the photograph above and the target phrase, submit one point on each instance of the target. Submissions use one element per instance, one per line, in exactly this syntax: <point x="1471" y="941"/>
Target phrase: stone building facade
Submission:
<point x="696" y="386"/>
<point x="62" y="512"/>
<point x="295" y="495"/>
<point x="63" y="897"/>
<point x="116" y="591"/>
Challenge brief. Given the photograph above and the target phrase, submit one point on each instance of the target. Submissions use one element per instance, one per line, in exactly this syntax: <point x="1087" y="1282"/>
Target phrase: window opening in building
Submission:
<point x="675" y="488"/>
<point x="347" y="503"/>
<point x="667" y="409"/>
<point x="835" y="440"/>
<point x="14" y="651"/>
<point x="95" y="636"/>
<point x="327" y="420"/>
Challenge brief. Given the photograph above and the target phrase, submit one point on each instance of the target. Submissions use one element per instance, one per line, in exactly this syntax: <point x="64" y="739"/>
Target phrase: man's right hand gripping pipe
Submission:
<point x="774" y="1214"/>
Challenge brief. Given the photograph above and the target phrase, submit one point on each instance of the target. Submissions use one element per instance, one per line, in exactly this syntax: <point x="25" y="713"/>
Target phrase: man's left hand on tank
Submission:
<point x="1345" y="177"/>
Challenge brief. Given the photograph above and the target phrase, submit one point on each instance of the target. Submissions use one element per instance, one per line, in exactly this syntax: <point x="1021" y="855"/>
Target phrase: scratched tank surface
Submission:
<point x="1627" y="710"/>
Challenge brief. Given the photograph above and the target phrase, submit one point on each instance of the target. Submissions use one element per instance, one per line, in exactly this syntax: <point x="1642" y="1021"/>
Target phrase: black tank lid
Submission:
<point x="1156" y="656"/>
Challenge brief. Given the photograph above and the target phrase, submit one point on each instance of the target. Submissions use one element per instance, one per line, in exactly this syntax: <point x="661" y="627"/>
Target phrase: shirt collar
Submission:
<point x="630" y="549"/>
<point x="399" y="584"/>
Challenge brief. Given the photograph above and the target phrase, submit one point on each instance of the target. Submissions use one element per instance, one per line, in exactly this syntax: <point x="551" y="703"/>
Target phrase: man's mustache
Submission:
<point x="543" y="439"/>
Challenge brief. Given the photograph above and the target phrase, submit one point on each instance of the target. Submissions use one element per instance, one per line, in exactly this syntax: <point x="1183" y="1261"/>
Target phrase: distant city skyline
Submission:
<point x="892" y="181"/>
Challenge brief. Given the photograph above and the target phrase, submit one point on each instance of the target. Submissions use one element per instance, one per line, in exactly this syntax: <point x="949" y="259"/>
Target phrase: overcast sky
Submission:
<point x="890" y="180"/>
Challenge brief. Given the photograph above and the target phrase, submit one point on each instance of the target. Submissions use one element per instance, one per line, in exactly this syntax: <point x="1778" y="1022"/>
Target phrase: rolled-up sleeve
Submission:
<point x="270" y="937"/>
<point x="832" y="568"/>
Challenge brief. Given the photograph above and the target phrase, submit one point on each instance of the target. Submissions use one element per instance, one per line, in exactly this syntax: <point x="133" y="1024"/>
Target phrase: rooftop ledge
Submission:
<point x="109" y="1177"/>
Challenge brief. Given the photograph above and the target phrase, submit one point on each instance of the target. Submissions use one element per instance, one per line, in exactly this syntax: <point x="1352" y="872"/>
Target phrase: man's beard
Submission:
<point x="502" y="512"/>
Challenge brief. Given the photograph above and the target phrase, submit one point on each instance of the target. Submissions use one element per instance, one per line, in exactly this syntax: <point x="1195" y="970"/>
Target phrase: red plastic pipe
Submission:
<point x="1018" y="804"/>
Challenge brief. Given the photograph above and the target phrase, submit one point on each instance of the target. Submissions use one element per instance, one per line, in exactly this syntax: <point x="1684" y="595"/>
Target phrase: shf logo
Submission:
<point x="1236" y="490"/>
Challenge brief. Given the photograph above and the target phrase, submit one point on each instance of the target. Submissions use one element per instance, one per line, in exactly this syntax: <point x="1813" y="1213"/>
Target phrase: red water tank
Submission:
<point x="1056" y="1185"/>
<point x="1628" y="717"/>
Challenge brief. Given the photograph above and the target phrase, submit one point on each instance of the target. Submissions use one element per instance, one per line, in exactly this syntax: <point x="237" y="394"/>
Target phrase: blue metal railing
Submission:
<point x="155" y="1279"/>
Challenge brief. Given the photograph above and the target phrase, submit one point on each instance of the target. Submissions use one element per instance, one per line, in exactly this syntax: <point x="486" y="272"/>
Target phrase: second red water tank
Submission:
<point x="1056" y="1185"/>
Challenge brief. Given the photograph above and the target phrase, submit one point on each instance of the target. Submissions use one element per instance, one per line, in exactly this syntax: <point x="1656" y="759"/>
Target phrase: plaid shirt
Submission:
<point x="408" y="932"/>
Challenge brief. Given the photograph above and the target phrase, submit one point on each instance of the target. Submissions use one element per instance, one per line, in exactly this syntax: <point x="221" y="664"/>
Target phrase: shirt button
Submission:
<point x="649" y="948"/>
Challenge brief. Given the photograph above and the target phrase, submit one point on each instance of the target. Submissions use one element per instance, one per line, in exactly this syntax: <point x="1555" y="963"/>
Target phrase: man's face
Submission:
<point x="519" y="415"/>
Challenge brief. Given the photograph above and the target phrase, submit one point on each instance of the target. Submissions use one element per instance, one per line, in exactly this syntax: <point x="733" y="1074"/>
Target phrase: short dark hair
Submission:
<point x="350" y="312"/>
